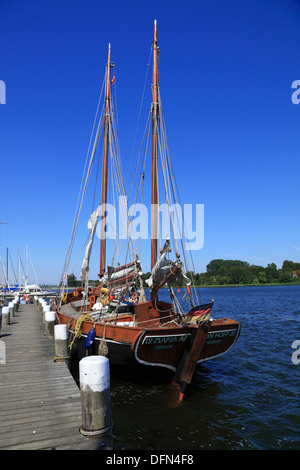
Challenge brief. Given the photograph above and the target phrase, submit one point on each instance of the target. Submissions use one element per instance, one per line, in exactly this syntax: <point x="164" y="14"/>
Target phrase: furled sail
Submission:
<point x="92" y="224"/>
<point x="165" y="269"/>
<point x="121" y="273"/>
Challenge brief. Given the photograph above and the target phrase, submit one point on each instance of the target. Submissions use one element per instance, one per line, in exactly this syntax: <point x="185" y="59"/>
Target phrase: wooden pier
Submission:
<point x="40" y="405"/>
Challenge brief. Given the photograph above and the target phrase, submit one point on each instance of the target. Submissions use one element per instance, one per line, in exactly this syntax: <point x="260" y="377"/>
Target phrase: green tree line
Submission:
<point x="226" y="272"/>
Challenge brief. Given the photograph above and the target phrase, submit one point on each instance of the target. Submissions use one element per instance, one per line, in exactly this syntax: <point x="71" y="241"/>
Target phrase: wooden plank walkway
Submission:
<point x="40" y="405"/>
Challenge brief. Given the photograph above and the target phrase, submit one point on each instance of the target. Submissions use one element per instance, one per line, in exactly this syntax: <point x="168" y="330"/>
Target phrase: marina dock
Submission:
<point x="40" y="404"/>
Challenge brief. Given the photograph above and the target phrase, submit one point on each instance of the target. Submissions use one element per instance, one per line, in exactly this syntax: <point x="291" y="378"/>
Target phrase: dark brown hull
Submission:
<point x="154" y="346"/>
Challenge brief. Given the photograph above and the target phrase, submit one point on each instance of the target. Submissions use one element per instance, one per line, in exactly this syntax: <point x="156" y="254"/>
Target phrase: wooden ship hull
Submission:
<point x="158" y="347"/>
<point x="146" y="337"/>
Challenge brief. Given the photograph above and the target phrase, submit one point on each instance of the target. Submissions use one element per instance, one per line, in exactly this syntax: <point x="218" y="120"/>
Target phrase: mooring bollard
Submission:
<point x="11" y="309"/>
<point x="94" y="378"/>
<point x="61" y="343"/>
<point x="5" y="316"/>
<point x="46" y="308"/>
<point x="16" y="301"/>
<point x="50" y="318"/>
<point x="43" y="304"/>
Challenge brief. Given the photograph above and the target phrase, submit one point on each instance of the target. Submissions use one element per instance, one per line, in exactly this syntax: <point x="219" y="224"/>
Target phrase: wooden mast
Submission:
<point x="154" y="187"/>
<point x="105" y="166"/>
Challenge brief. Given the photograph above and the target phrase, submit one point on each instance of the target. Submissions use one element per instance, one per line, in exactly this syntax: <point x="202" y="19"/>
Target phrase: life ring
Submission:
<point x="75" y="293"/>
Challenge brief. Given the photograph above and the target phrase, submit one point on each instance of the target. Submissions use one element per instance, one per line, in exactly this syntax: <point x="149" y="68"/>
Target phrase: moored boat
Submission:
<point x="116" y="318"/>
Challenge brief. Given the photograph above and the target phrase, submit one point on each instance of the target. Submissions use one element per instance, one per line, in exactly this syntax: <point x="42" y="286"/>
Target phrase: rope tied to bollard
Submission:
<point x="98" y="432"/>
<point x="58" y="358"/>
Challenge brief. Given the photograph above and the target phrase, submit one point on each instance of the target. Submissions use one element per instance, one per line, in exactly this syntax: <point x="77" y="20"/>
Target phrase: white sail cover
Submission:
<point x="121" y="273"/>
<point x="162" y="268"/>
<point x="92" y="224"/>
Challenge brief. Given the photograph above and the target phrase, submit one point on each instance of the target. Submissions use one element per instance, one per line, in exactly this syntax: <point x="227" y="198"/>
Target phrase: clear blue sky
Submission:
<point x="226" y="69"/>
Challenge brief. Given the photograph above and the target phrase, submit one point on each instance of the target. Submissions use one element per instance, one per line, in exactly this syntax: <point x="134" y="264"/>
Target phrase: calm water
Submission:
<point x="247" y="399"/>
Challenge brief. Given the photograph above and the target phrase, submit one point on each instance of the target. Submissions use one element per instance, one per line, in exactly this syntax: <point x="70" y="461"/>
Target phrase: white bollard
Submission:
<point x="50" y="318"/>
<point x="11" y="306"/>
<point x="46" y="308"/>
<point x="61" y="343"/>
<point x="94" y="378"/>
<point x="5" y="316"/>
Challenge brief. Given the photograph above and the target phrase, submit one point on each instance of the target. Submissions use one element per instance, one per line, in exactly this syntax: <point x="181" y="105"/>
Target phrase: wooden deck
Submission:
<point x="40" y="405"/>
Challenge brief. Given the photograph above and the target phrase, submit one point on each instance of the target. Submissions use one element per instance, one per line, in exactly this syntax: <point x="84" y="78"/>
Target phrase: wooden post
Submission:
<point x="5" y="316"/>
<point x="16" y="301"/>
<point x="61" y="343"/>
<point x="94" y="378"/>
<point x="50" y="318"/>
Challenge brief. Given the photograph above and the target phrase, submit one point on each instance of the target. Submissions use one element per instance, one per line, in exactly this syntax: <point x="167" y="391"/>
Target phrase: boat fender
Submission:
<point x="105" y="300"/>
<point x="90" y="338"/>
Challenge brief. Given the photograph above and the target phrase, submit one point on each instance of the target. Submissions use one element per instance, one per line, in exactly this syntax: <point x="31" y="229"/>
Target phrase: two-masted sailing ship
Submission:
<point x="116" y="317"/>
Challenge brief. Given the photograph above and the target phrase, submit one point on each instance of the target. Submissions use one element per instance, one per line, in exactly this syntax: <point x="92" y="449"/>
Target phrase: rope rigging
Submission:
<point x="175" y="228"/>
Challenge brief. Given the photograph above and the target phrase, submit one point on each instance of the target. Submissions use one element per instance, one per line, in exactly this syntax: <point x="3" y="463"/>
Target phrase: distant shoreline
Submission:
<point x="253" y="285"/>
<point x="204" y="286"/>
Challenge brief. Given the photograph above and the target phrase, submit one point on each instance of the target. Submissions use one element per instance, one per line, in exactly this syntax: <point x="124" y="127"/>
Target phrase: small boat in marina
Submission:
<point x="8" y="290"/>
<point x="116" y="318"/>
